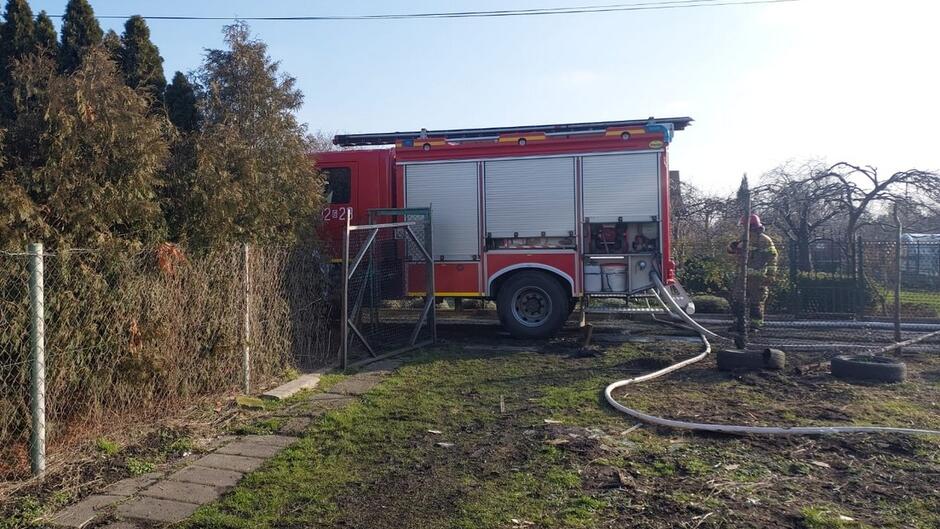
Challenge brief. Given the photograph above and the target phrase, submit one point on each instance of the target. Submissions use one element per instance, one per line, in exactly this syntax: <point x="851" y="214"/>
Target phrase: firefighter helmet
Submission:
<point x="753" y="222"/>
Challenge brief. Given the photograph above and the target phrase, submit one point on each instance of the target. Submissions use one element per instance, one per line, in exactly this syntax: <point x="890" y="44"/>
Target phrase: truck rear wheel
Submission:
<point x="532" y="305"/>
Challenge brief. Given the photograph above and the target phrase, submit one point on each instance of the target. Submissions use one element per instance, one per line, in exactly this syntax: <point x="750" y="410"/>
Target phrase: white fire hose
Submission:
<point x="676" y="312"/>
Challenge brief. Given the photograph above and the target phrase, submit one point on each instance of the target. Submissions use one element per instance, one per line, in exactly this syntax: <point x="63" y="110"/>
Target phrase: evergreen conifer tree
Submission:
<point x="46" y="37"/>
<point x="181" y="103"/>
<point x="17" y="39"/>
<point x="140" y="58"/>
<point x="112" y="44"/>
<point x="250" y="176"/>
<point x="18" y="33"/>
<point x="80" y="31"/>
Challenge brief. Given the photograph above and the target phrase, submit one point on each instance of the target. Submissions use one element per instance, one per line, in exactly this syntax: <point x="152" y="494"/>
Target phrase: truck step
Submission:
<point x="624" y="310"/>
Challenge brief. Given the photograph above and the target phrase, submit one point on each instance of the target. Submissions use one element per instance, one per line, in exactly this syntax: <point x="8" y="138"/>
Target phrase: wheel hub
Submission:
<point x="531" y="306"/>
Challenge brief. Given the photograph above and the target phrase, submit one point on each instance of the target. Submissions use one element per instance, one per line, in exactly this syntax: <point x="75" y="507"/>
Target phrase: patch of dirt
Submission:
<point x="600" y="477"/>
<point x="661" y="478"/>
<point x="424" y="486"/>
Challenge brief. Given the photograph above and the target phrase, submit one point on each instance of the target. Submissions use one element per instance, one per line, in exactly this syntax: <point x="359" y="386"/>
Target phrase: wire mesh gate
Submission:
<point x="388" y="285"/>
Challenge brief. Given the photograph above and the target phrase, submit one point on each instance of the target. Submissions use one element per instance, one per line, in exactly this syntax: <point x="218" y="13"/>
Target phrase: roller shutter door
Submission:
<point x="529" y="197"/>
<point x="622" y="185"/>
<point x="451" y="191"/>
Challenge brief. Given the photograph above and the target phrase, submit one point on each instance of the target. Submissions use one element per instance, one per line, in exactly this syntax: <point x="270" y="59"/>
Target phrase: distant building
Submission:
<point x="920" y="254"/>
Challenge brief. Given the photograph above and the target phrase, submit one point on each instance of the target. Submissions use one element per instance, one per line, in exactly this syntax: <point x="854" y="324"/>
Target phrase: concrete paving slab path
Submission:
<point x="230" y="462"/>
<point x="83" y="512"/>
<point x="356" y="385"/>
<point x="250" y="449"/>
<point x="328" y="397"/>
<point x="183" y="491"/>
<point x="121" y="525"/>
<point x="314" y="407"/>
<point x="382" y="367"/>
<point x="156" y="509"/>
<point x="282" y="441"/>
<point x="289" y="389"/>
<point x="130" y="486"/>
<point x="152" y="500"/>
<point x="215" y="477"/>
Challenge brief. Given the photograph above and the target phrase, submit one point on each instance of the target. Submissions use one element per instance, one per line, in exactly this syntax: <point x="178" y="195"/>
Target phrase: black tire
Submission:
<point x="875" y="368"/>
<point x="532" y="305"/>
<point x="729" y="360"/>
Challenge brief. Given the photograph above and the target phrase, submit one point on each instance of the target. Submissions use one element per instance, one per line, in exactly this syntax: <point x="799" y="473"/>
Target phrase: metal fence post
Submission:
<point x="432" y="288"/>
<point x="246" y="323"/>
<point x="743" y="322"/>
<point x="897" y="278"/>
<point x="38" y="357"/>
<point x="860" y="297"/>
<point x="344" y="329"/>
<point x="796" y="300"/>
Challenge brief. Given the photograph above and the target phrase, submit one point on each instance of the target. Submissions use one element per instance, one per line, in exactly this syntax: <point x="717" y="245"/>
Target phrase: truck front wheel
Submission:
<point x="532" y="305"/>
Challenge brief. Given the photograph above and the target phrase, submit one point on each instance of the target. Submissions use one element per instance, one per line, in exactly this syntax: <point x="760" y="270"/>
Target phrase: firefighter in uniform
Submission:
<point x="761" y="271"/>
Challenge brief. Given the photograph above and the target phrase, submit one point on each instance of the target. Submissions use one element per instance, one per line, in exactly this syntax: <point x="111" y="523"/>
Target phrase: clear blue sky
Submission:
<point x="834" y="79"/>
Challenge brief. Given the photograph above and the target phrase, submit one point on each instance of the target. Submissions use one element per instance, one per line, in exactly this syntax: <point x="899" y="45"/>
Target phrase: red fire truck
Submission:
<point x="533" y="217"/>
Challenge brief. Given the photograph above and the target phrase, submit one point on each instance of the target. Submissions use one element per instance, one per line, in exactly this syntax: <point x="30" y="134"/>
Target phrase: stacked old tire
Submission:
<point x="868" y="368"/>
<point x="734" y="359"/>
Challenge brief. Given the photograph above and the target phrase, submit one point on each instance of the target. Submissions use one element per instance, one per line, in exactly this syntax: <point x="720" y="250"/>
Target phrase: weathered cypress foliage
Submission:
<point x="87" y="170"/>
<point x="140" y="58"/>
<point x="181" y="103"/>
<point x="112" y="44"/>
<point x="250" y="177"/>
<point x="46" y="37"/>
<point x="80" y="31"/>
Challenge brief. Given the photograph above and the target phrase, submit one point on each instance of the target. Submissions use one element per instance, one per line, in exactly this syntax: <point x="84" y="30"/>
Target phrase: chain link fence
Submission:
<point x="133" y="337"/>
<point x="389" y="292"/>
<point x="828" y="294"/>
<point x="14" y="365"/>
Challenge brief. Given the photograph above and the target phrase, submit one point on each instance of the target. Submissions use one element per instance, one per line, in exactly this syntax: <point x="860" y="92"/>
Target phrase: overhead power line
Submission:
<point x="640" y="6"/>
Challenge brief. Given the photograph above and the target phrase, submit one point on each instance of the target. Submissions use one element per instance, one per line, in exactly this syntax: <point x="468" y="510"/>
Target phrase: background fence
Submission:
<point x="838" y="281"/>
<point x="132" y="336"/>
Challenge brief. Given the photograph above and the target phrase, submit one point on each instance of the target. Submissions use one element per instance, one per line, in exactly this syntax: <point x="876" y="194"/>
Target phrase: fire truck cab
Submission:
<point x="533" y="217"/>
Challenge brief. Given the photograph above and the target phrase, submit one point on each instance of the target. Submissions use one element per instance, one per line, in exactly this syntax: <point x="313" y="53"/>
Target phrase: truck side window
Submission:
<point x="338" y="184"/>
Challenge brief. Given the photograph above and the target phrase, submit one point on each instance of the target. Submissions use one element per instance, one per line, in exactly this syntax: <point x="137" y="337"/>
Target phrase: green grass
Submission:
<point x="266" y="426"/>
<point x="501" y="472"/>
<point x="821" y="517"/>
<point x="138" y="467"/>
<point x="24" y="514"/>
<point x="179" y="445"/>
<point x="107" y="446"/>
<point x="328" y="380"/>
<point x="438" y="391"/>
<point x="914" y="297"/>
<point x="914" y="302"/>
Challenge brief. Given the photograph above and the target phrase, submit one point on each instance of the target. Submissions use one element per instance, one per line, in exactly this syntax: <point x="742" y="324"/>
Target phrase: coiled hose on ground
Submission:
<point x="704" y="333"/>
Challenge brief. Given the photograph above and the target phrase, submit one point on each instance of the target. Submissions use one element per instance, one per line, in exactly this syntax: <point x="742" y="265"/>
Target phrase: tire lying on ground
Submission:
<point x="862" y="367"/>
<point x="730" y="359"/>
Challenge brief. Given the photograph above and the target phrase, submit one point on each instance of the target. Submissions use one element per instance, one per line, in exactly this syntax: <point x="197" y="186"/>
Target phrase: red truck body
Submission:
<point x="574" y="201"/>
